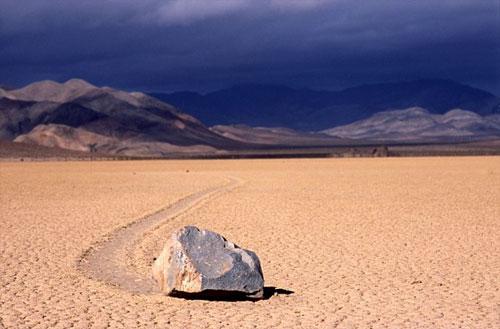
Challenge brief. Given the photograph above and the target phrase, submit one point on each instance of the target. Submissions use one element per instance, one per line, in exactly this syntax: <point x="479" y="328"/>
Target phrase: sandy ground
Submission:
<point x="362" y="243"/>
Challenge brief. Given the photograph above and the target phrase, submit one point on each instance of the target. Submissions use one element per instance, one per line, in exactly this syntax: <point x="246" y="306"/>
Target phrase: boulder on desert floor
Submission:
<point x="200" y="263"/>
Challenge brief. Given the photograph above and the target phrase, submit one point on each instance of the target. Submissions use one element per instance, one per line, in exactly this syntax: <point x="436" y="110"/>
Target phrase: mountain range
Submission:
<point x="313" y="110"/>
<point x="76" y="115"/>
<point x="79" y="116"/>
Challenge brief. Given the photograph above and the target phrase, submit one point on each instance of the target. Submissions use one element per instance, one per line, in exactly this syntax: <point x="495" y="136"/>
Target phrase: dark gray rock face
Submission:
<point x="199" y="262"/>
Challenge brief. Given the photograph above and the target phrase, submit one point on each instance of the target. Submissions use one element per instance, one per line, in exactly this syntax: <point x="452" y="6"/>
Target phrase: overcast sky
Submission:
<point x="166" y="45"/>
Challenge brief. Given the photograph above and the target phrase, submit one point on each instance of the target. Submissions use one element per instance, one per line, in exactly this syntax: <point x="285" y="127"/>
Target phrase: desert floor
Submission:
<point x="361" y="243"/>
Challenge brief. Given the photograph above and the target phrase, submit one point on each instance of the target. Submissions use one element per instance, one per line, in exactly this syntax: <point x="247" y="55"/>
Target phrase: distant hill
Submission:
<point x="311" y="110"/>
<point x="79" y="116"/>
<point x="418" y="124"/>
<point x="274" y="136"/>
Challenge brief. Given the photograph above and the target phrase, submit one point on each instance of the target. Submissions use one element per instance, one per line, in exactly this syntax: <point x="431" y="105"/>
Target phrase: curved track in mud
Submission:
<point x="105" y="261"/>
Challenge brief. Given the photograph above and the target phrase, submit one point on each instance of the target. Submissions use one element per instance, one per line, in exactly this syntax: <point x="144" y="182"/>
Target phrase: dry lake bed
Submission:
<point x="346" y="243"/>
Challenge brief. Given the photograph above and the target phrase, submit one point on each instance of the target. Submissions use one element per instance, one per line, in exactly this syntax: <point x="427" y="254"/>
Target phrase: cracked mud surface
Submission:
<point x="379" y="243"/>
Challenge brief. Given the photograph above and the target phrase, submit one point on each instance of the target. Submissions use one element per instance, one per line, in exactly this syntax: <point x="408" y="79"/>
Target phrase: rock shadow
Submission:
<point x="273" y="291"/>
<point x="227" y="296"/>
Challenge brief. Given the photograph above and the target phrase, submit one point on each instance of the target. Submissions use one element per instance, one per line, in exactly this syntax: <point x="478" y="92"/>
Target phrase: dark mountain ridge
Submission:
<point x="313" y="110"/>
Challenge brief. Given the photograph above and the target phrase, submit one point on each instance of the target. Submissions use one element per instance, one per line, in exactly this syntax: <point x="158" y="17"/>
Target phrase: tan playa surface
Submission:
<point x="397" y="243"/>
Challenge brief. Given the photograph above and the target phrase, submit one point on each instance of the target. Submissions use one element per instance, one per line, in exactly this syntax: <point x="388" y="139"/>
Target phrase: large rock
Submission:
<point x="201" y="263"/>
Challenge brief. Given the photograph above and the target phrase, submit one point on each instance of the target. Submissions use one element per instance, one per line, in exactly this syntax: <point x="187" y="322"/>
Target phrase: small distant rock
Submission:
<point x="201" y="263"/>
<point x="381" y="151"/>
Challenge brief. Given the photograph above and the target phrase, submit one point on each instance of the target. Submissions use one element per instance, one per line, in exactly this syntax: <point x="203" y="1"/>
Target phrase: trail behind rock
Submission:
<point x="105" y="261"/>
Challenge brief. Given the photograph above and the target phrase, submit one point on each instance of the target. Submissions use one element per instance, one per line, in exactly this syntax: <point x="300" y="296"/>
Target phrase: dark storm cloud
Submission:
<point x="196" y="44"/>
